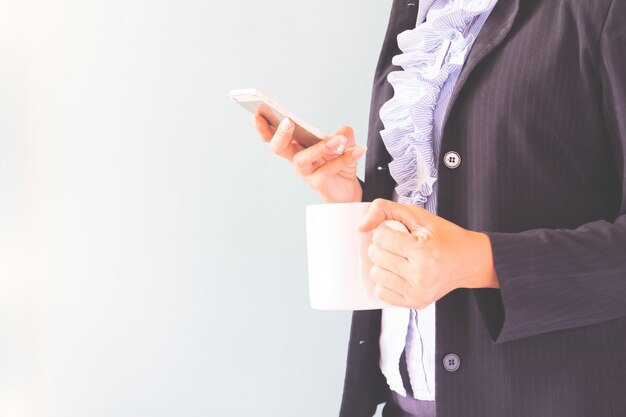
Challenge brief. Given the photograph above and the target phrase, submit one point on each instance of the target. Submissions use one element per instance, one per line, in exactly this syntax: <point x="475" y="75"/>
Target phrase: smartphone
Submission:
<point x="252" y="100"/>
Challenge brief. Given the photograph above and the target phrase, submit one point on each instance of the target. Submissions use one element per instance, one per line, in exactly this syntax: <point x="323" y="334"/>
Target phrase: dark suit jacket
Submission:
<point x="538" y="116"/>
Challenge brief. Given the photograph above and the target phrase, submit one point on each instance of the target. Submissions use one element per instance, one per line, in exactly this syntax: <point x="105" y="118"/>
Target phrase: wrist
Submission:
<point x="355" y="197"/>
<point x="485" y="276"/>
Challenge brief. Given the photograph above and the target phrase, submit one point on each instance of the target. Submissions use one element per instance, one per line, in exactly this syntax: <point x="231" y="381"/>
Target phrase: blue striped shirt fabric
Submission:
<point x="432" y="58"/>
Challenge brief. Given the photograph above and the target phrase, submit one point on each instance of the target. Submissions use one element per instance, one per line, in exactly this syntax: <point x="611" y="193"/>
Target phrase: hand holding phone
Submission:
<point x="255" y="101"/>
<point x="327" y="164"/>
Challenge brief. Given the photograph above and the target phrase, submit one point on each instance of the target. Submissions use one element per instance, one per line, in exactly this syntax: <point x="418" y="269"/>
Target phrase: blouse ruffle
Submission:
<point x="430" y="52"/>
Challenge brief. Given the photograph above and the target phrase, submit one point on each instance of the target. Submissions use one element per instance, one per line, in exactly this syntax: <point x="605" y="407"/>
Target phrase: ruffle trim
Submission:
<point x="429" y="54"/>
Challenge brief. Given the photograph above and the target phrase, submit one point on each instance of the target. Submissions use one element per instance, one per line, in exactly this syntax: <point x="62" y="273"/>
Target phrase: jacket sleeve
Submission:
<point x="554" y="279"/>
<point x="362" y="183"/>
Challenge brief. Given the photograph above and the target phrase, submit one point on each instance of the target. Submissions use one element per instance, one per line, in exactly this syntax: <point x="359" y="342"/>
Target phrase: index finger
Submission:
<point x="282" y="143"/>
<point x="393" y="241"/>
<point x="263" y="128"/>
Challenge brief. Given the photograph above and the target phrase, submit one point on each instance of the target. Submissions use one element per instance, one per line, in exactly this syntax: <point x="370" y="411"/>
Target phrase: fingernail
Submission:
<point x="286" y="124"/>
<point x="332" y="142"/>
<point x="254" y="121"/>
<point x="359" y="151"/>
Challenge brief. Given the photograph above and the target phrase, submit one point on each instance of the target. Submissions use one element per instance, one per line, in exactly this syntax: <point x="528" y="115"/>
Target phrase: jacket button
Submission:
<point x="451" y="362"/>
<point x="452" y="159"/>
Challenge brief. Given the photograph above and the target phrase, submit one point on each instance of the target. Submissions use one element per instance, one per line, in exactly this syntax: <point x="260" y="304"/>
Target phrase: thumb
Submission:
<point x="412" y="216"/>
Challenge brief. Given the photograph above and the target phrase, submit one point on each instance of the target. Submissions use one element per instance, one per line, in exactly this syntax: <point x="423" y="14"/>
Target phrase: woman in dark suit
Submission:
<point x="525" y="254"/>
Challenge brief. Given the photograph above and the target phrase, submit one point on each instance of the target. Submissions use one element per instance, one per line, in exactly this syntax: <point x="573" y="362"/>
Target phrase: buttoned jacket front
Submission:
<point x="538" y="119"/>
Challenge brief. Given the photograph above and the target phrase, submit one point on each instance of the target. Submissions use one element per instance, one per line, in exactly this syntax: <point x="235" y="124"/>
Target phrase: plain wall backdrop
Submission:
<point x="152" y="248"/>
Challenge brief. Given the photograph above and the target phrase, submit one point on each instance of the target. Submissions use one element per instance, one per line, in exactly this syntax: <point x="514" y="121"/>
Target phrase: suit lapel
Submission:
<point x="380" y="184"/>
<point x="495" y="28"/>
<point x="403" y="16"/>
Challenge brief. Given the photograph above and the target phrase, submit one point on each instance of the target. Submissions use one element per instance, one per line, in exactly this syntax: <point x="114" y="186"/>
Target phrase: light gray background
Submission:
<point x="152" y="248"/>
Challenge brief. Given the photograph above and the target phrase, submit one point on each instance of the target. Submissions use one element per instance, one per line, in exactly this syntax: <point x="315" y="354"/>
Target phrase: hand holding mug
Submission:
<point x="332" y="176"/>
<point x="437" y="256"/>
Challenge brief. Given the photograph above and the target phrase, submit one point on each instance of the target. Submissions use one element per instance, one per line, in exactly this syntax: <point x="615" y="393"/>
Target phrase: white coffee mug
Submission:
<point x="338" y="263"/>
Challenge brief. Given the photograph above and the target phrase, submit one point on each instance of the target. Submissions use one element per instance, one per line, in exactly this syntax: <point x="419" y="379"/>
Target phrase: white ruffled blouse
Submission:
<point x="437" y="47"/>
<point x="430" y="53"/>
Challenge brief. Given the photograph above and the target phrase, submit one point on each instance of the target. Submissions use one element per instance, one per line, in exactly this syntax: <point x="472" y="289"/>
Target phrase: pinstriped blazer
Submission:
<point x="538" y="116"/>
